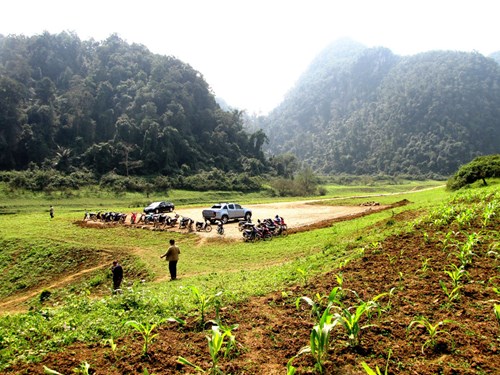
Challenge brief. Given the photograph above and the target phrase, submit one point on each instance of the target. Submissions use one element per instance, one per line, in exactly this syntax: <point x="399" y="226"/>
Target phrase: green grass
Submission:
<point x="48" y="249"/>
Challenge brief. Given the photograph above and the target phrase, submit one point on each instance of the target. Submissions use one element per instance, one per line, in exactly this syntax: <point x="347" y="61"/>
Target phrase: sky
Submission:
<point x="251" y="52"/>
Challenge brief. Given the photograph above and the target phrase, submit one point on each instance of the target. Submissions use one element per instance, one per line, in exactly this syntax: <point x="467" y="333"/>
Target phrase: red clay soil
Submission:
<point x="271" y="330"/>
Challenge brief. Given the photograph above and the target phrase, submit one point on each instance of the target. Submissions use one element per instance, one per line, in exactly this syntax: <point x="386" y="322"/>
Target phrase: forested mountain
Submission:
<point x="111" y="106"/>
<point x="367" y="111"/>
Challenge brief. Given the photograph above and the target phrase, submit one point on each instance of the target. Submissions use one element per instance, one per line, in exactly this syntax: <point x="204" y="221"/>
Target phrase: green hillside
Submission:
<point x="367" y="111"/>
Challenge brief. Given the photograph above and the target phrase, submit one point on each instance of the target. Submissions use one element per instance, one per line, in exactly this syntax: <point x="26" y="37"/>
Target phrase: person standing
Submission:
<point x="117" y="275"/>
<point x="172" y="256"/>
<point x="51" y="211"/>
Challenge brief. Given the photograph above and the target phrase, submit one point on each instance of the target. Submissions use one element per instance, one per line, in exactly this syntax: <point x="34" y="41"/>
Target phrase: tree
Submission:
<point x="480" y="168"/>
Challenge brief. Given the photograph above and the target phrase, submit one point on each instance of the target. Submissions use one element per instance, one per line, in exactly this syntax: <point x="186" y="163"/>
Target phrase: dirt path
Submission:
<point x="14" y="304"/>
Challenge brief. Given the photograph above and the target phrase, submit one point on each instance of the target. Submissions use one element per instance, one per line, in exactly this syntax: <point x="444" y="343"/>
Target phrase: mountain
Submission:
<point x="365" y="110"/>
<point x="110" y="106"/>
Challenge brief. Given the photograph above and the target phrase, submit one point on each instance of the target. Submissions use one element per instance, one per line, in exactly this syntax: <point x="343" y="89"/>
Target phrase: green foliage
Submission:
<point x="215" y="345"/>
<point x="360" y="110"/>
<point x="319" y="341"/>
<point x="479" y="169"/>
<point x="111" y="106"/>
<point x="203" y="302"/>
<point x="146" y="330"/>
<point x="432" y="330"/>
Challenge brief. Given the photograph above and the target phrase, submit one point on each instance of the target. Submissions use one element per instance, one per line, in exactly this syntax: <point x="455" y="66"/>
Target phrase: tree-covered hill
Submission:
<point x="366" y="111"/>
<point x="112" y="106"/>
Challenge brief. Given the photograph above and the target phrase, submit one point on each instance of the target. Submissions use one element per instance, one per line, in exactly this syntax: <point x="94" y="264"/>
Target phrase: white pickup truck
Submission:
<point x="225" y="212"/>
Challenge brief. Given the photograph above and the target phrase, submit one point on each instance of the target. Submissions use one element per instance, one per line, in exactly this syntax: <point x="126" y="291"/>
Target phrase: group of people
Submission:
<point x="171" y="255"/>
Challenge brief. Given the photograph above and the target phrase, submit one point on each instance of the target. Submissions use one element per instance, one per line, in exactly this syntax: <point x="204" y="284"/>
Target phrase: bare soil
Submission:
<point x="272" y="330"/>
<point x="299" y="216"/>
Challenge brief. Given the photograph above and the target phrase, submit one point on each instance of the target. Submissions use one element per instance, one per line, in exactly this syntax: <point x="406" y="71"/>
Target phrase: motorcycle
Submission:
<point x="186" y="222"/>
<point x="244" y="224"/>
<point x="220" y="228"/>
<point x="203" y="226"/>
<point x="171" y="221"/>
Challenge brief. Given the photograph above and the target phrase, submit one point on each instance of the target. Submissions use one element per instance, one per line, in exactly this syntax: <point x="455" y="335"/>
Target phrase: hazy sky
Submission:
<point x="251" y="52"/>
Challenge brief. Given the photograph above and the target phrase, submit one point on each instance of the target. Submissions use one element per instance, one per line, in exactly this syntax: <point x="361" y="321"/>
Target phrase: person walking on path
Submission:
<point x="172" y="256"/>
<point x="51" y="211"/>
<point x="117" y="275"/>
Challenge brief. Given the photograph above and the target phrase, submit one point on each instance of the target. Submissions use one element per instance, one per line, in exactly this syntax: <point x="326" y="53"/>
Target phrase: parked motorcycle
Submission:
<point x="171" y="221"/>
<point x="186" y="222"/>
<point x="244" y="224"/>
<point x="203" y="226"/>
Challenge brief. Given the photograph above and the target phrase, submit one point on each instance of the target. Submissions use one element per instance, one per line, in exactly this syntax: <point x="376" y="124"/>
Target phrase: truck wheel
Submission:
<point x="224" y="219"/>
<point x="248" y="216"/>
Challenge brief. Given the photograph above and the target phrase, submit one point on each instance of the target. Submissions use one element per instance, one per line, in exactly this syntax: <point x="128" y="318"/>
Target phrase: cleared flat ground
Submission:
<point x="296" y="214"/>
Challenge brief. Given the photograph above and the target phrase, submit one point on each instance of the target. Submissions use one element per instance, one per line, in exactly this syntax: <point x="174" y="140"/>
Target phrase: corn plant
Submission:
<point x="215" y="344"/>
<point x="425" y="264"/>
<point x="465" y="252"/>
<point x="453" y="293"/>
<point x="290" y="369"/>
<point x="83" y="369"/>
<point x="432" y="330"/>
<point x="489" y="212"/>
<point x="351" y="321"/>
<point x="317" y="308"/>
<point x="319" y="341"/>
<point x="146" y="330"/>
<point x="496" y="310"/>
<point x="203" y="302"/>
<point x="465" y="217"/>
<point x="303" y="274"/>
<point x="377" y="371"/>
<point x="456" y="274"/>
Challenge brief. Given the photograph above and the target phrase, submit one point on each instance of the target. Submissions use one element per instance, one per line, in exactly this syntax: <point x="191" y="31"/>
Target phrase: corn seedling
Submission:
<point x="456" y="274"/>
<point x="203" y="302"/>
<point x="432" y="330"/>
<point x="83" y="369"/>
<point x="496" y="310"/>
<point x="453" y="294"/>
<point x="426" y="237"/>
<point x="317" y="308"/>
<point x="465" y="252"/>
<point x="303" y="274"/>
<point x="319" y="341"/>
<point x="489" y="212"/>
<point x="377" y="371"/>
<point x="465" y="217"/>
<point x="425" y="265"/>
<point x="351" y="321"/>
<point x="290" y="369"/>
<point x="215" y="343"/>
<point x="146" y="330"/>
<point x="111" y="343"/>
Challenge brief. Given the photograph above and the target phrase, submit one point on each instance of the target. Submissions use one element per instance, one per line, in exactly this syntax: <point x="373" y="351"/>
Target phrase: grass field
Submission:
<point x="38" y="252"/>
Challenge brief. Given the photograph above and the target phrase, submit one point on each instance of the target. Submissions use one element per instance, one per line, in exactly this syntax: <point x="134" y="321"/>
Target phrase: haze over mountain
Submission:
<point x="367" y="111"/>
